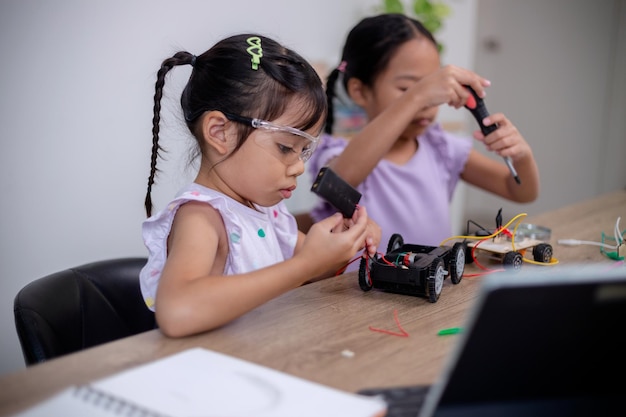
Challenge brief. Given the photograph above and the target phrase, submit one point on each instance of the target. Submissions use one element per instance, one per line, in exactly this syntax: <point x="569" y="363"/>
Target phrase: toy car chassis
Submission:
<point x="503" y="248"/>
<point x="413" y="269"/>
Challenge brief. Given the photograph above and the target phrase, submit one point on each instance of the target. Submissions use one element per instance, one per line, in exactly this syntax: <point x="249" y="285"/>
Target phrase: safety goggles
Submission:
<point x="288" y="144"/>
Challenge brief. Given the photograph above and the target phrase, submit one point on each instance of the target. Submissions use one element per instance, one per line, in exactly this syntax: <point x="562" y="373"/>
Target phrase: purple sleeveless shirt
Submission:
<point x="411" y="199"/>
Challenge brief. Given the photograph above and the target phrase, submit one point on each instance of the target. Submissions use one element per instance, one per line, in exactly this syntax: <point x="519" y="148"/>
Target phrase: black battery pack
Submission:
<point x="332" y="188"/>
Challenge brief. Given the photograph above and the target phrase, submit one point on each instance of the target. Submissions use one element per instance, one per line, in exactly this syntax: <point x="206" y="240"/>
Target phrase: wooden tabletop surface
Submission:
<point x="322" y="331"/>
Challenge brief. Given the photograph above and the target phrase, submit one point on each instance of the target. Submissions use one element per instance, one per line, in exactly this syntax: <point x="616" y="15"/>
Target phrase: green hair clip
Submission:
<point x="255" y="50"/>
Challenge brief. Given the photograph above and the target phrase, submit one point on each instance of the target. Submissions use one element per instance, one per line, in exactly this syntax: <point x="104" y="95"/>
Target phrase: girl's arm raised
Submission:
<point x="375" y="140"/>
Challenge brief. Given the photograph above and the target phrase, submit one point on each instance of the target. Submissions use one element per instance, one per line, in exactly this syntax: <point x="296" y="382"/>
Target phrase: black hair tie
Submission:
<point x="193" y="60"/>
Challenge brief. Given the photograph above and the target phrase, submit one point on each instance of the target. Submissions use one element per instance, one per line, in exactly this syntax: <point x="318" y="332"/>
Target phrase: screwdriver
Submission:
<point x="476" y="106"/>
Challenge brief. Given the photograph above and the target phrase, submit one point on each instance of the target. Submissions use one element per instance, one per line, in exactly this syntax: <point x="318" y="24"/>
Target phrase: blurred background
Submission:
<point x="78" y="78"/>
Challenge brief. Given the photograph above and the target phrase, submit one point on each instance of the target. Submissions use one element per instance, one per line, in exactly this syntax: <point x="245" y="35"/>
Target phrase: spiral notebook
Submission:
<point x="199" y="382"/>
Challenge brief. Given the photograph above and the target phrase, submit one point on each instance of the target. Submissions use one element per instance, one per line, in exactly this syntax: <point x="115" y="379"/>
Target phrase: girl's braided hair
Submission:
<point x="223" y="78"/>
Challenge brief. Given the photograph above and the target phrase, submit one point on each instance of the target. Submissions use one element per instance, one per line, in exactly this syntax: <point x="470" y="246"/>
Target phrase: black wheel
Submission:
<point x="434" y="282"/>
<point x="542" y="253"/>
<point x="468" y="255"/>
<point x="364" y="274"/>
<point x="457" y="262"/>
<point x="513" y="260"/>
<point x="395" y="242"/>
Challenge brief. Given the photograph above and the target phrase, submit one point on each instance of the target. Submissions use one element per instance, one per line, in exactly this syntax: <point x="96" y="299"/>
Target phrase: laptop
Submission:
<point x="536" y="343"/>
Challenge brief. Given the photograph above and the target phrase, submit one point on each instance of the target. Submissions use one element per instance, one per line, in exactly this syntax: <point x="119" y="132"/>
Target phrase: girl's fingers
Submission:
<point x="332" y="222"/>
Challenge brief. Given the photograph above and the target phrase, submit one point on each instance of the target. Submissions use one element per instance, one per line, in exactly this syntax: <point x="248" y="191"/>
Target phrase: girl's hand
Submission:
<point x="447" y="86"/>
<point x="506" y="140"/>
<point x="333" y="242"/>
<point x="374" y="232"/>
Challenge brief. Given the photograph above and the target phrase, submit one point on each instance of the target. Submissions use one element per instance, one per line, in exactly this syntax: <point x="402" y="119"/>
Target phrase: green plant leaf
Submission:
<point x="441" y="10"/>
<point x="393" y="6"/>
<point x="422" y="7"/>
<point x="430" y="12"/>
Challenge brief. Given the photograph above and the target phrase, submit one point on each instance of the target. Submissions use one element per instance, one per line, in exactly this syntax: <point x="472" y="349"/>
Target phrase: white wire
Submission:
<point x="573" y="242"/>
<point x="618" y="234"/>
<point x="619" y="239"/>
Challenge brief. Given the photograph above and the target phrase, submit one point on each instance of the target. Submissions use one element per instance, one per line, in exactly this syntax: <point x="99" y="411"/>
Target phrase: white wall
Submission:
<point x="557" y="71"/>
<point x="76" y="105"/>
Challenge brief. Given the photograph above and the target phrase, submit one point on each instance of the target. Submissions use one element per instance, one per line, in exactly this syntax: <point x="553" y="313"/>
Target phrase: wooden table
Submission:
<point x="307" y="331"/>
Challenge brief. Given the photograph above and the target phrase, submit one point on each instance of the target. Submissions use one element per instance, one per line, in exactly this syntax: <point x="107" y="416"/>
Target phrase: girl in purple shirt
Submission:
<point x="404" y="164"/>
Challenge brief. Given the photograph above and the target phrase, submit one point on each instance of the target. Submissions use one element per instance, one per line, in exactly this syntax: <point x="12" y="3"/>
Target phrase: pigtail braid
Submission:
<point x="180" y="58"/>
<point x="330" y="96"/>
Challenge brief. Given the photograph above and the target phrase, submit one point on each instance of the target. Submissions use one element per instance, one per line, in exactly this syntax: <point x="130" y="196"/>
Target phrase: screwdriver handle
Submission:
<point x="476" y="106"/>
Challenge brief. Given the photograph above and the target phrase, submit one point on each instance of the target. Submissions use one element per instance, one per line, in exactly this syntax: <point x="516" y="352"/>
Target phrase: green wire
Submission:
<point x="611" y="255"/>
<point x="451" y="330"/>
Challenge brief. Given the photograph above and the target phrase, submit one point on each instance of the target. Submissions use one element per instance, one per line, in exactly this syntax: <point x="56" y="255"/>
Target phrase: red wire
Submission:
<point x="474" y="256"/>
<point x="392" y="333"/>
<point x="484" y="268"/>
<point x="343" y="268"/>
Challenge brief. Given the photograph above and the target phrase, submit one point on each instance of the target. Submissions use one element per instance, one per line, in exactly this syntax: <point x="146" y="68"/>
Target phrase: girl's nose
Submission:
<point x="296" y="169"/>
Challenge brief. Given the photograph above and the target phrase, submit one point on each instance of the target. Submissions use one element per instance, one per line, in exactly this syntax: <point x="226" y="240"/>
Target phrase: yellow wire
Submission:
<point x="519" y="217"/>
<point x="553" y="261"/>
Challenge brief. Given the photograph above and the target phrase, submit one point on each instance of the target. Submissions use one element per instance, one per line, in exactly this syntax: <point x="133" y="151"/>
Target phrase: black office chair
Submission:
<point x="81" y="307"/>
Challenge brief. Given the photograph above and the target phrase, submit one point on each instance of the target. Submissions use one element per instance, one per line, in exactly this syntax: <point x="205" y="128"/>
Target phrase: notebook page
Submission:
<point x="200" y="382"/>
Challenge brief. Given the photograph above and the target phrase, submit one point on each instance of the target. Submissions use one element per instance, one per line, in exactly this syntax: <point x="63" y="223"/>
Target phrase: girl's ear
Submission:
<point x="214" y="125"/>
<point x="357" y="91"/>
